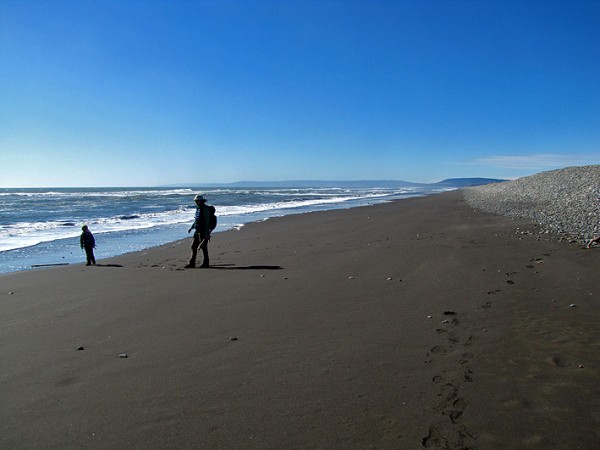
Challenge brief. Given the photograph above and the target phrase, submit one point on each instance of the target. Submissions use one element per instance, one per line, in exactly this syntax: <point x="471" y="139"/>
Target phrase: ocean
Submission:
<point x="40" y="227"/>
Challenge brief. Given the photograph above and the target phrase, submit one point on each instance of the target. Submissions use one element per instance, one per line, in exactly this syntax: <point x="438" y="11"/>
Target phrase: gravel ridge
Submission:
<point x="564" y="202"/>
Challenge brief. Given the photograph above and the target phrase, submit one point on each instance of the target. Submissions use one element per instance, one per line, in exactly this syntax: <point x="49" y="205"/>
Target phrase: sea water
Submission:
<point x="42" y="226"/>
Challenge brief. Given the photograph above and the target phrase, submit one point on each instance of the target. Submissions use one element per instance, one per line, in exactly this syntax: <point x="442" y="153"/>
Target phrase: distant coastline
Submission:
<point x="450" y="183"/>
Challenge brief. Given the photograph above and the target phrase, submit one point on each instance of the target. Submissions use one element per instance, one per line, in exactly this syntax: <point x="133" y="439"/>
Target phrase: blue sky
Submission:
<point x="142" y="93"/>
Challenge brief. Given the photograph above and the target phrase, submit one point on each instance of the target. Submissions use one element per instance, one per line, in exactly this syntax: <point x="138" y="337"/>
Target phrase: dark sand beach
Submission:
<point x="416" y="324"/>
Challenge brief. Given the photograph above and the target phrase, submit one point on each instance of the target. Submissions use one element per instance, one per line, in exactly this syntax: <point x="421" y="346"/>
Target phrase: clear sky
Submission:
<point x="143" y="92"/>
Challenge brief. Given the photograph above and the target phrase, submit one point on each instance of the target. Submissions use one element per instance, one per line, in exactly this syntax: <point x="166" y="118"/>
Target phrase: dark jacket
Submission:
<point x="202" y="222"/>
<point x="87" y="240"/>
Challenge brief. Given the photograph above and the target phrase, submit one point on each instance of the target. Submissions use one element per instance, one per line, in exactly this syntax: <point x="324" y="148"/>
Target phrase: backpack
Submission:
<point x="212" y="217"/>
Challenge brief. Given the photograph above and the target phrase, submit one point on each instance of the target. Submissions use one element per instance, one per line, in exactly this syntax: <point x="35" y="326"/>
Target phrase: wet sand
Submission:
<point x="416" y="324"/>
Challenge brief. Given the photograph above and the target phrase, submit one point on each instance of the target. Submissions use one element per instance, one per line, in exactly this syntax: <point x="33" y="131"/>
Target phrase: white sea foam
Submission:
<point x="26" y="234"/>
<point x="123" y="210"/>
<point x="29" y="234"/>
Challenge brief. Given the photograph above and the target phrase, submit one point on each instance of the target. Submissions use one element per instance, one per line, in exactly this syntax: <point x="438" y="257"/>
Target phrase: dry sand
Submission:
<point x="420" y="323"/>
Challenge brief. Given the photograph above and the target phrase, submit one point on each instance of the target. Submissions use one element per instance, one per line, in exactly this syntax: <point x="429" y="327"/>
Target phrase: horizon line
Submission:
<point x="242" y="182"/>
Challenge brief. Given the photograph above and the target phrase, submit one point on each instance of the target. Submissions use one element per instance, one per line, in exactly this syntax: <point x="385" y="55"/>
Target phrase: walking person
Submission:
<point x="88" y="243"/>
<point x="204" y="223"/>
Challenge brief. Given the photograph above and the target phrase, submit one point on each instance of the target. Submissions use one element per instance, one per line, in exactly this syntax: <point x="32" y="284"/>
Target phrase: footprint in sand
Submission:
<point x="467" y="376"/>
<point x="556" y="361"/>
<point x="450" y="390"/>
<point x="458" y="408"/>
<point x="465" y="362"/>
<point x="438" y="349"/>
<point x="434" y="439"/>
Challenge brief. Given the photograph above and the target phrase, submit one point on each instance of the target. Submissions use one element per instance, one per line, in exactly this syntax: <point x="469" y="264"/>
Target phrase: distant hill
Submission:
<point x="464" y="182"/>
<point x="389" y="184"/>
<point x="322" y="184"/>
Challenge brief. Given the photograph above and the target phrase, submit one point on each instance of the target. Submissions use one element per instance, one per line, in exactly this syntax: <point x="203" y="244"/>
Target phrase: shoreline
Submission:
<point x="114" y="244"/>
<point x="416" y="323"/>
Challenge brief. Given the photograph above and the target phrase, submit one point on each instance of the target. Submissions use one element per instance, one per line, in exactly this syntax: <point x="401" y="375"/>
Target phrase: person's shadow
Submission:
<point x="234" y="267"/>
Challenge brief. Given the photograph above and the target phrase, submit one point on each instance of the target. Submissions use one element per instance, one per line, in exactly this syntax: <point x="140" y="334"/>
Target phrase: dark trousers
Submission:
<point x="202" y="242"/>
<point x="89" y="255"/>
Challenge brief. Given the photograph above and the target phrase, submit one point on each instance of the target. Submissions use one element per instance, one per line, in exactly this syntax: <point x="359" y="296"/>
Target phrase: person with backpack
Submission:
<point x="205" y="221"/>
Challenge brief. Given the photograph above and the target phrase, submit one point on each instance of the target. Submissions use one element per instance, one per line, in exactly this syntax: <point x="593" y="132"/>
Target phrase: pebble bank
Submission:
<point x="564" y="202"/>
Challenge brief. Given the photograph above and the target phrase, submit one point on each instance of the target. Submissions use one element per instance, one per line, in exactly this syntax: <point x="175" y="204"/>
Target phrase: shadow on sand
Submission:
<point x="234" y="267"/>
